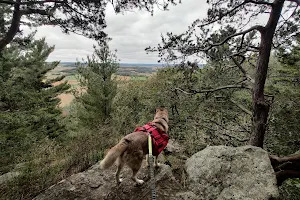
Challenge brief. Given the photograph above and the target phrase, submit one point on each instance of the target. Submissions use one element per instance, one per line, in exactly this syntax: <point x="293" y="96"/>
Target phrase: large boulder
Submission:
<point x="222" y="172"/>
<point x="97" y="184"/>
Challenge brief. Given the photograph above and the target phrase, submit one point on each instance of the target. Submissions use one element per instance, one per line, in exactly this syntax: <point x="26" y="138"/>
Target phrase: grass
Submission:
<point x="71" y="77"/>
<point x="138" y="78"/>
<point x="51" y="161"/>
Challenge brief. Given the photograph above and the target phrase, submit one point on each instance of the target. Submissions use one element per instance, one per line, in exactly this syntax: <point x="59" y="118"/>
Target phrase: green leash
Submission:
<point x="152" y="181"/>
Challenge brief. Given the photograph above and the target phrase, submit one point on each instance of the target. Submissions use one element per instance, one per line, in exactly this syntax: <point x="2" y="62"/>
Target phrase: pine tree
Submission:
<point x="98" y="87"/>
<point x="28" y="102"/>
<point x="284" y="84"/>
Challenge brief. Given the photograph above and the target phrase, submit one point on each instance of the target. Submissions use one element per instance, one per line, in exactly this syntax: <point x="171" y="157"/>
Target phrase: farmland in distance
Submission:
<point x="126" y="72"/>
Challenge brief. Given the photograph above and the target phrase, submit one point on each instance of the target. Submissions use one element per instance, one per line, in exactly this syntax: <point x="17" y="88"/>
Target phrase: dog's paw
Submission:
<point x="139" y="182"/>
<point x="120" y="181"/>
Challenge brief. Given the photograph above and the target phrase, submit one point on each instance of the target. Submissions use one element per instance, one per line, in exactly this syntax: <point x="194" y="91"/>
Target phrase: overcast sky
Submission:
<point x="131" y="33"/>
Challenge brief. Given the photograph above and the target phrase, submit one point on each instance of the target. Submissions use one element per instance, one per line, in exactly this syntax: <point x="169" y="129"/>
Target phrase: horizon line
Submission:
<point x="125" y="63"/>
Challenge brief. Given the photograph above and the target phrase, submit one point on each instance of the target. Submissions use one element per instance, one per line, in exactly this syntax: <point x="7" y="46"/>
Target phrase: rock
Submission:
<point x="215" y="173"/>
<point x="173" y="147"/>
<point x="221" y="172"/>
<point x="96" y="184"/>
<point x="186" y="196"/>
<point x="8" y="176"/>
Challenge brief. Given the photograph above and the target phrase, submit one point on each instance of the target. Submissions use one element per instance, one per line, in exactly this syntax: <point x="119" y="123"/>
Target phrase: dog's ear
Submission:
<point x="161" y="109"/>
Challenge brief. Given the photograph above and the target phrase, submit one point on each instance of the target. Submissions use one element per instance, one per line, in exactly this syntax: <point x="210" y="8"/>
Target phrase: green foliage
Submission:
<point x="28" y="101"/>
<point x="52" y="160"/>
<point x="195" y="120"/>
<point x="284" y="85"/>
<point x="128" y="108"/>
<point x="94" y="101"/>
<point x="201" y="114"/>
<point x="290" y="189"/>
<point x="233" y="37"/>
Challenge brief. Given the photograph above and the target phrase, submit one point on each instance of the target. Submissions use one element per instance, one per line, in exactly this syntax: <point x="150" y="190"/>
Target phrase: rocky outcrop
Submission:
<point x="96" y="184"/>
<point x="221" y="172"/>
<point x="215" y="173"/>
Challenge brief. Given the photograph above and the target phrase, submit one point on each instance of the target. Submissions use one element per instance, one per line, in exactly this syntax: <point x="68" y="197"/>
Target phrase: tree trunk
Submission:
<point x="14" y="27"/>
<point x="260" y="106"/>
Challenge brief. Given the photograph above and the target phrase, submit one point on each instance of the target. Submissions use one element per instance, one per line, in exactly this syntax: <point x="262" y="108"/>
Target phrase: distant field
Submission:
<point x="127" y="73"/>
<point x="138" y="78"/>
<point x="70" y="78"/>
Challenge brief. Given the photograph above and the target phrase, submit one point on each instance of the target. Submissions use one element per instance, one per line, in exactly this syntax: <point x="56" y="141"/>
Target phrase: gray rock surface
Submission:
<point x="173" y="147"/>
<point x="96" y="184"/>
<point x="8" y="176"/>
<point x="221" y="172"/>
<point x="215" y="173"/>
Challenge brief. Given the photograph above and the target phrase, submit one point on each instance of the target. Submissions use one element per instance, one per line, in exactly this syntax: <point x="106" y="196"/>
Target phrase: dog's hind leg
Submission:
<point x="135" y="168"/>
<point x="120" y="165"/>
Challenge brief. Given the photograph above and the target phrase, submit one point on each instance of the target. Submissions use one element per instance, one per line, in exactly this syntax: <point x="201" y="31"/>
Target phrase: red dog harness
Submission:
<point x="159" y="138"/>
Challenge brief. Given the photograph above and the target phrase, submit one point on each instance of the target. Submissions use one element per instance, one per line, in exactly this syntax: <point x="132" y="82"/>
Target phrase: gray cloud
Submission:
<point x="131" y="32"/>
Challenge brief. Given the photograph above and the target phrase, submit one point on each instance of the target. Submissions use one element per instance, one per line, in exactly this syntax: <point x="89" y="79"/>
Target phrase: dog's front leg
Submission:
<point x="156" y="163"/>
<point x="147" y="160"/>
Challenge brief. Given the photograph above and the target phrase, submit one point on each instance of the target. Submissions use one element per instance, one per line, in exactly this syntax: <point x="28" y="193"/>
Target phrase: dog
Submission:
<point x="133" y="147"/>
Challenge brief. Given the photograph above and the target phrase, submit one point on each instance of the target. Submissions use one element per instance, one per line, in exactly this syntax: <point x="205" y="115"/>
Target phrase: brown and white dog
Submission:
<point x="133" y="147"/>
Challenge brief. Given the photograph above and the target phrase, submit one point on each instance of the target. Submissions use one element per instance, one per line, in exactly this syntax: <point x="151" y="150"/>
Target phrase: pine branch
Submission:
<point x="223" y="15"/>
<point x="220" y="17"/>
<point x="59" y="78"/>
<point x="257" y="27"/>
<point x="31" y="2"/>
<point x="214" y="89"/>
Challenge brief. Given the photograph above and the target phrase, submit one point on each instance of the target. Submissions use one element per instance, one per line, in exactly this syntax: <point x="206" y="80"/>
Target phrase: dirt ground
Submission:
<point x="66" y="99"/>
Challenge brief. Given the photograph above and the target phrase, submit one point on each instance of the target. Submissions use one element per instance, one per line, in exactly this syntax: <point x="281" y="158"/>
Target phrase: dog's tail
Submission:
<point x="113" y="154"/>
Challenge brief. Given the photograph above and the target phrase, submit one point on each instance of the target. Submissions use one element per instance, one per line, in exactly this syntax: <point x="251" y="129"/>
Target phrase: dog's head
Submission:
<point x="162" y="113"/>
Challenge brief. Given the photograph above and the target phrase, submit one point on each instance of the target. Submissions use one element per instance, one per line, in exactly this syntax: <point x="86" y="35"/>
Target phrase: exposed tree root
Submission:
<point x="286" y="167"/>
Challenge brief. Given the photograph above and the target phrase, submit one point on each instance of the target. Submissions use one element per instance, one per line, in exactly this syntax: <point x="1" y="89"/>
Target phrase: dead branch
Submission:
<point x="239" y="65"/>
<point x="243" y="108"/>
<point x="260" y="2"/>
<point x="34" y="11"/>
<point x="242" y="86"/>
